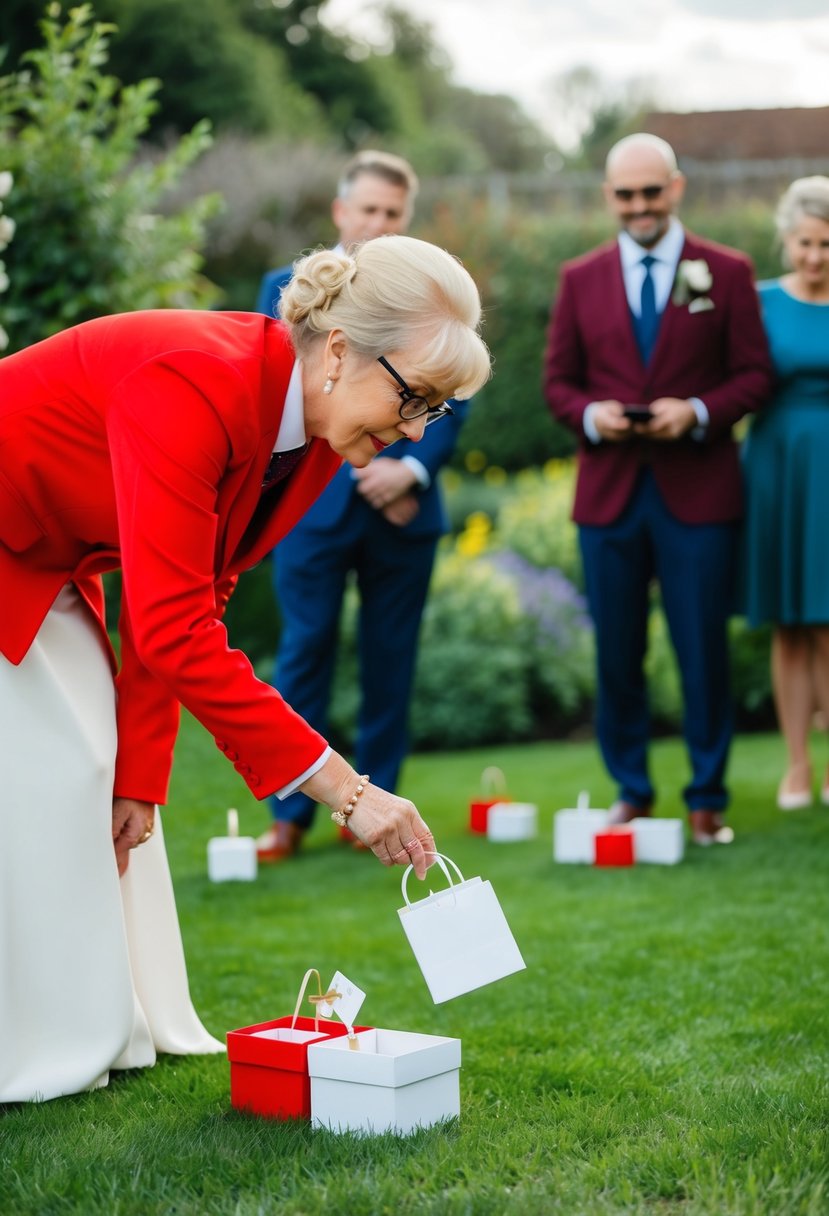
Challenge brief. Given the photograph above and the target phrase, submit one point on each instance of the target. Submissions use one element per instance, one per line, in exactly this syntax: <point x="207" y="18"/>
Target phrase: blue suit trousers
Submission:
<point x="694" y="565"/>
<point x="392" y="571"/>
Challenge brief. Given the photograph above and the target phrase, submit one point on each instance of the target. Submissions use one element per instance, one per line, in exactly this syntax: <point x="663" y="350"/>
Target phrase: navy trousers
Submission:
<point x="310" y="574"/>
<point x="694" y="565"/>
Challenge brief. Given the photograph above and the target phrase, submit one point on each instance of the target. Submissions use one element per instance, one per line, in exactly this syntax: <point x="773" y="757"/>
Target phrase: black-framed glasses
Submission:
<point x="649" y="193"/>
<point x="412" y="405"/>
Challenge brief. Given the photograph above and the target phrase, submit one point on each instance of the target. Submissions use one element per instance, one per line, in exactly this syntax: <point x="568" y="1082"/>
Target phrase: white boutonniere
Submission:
<point x="692" y="283"/>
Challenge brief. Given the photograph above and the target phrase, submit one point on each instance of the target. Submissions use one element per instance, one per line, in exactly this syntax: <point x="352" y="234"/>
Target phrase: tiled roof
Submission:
<point x="744" y="134"/>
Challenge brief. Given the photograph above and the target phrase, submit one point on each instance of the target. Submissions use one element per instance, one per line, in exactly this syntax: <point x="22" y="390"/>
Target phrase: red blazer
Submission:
<point x="719" y="355"/>
<point x="140" y="441"/>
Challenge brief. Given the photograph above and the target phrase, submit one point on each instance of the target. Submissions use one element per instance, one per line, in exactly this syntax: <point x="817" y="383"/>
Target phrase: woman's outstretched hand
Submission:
<point x="390" y="826"/>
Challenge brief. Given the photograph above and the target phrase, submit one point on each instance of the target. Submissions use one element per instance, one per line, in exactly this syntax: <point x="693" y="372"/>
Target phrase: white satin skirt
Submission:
<point x="92" y="971"/>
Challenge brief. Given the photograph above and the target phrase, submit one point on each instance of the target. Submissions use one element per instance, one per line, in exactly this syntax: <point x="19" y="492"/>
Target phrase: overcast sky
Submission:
<point x="693" y="54"/>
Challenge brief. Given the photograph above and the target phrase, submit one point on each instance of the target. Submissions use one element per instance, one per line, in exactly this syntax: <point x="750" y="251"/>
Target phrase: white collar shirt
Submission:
<point x="292" y="426"/>
<point x="666" y="254"/>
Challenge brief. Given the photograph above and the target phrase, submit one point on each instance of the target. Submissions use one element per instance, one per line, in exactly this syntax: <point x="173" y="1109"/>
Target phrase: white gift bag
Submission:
<point x="460" y="936"/>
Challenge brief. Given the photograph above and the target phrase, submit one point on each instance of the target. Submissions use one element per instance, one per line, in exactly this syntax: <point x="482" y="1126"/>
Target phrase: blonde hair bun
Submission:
<point x="317" y="281"/>
<point x="396" y="293"/>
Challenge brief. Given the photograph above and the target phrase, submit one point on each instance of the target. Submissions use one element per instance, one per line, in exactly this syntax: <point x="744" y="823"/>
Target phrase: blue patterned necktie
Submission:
<point x="281" y="465"/>
<point x="648" y="325"/>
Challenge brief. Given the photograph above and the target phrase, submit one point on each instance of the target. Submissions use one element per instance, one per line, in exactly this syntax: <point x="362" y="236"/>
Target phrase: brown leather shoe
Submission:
<point x="281" y="841"/>
<point x="623" y="812"/>
<point x="708" y="827"/>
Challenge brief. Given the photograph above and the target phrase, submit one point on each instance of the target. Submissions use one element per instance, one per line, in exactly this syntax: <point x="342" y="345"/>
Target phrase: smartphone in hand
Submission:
<point x="638" y="413"/>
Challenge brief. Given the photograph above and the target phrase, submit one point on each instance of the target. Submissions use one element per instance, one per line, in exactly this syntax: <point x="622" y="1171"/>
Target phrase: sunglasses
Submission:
<point x="649" y="193"/>
<point x="412" y="405"/>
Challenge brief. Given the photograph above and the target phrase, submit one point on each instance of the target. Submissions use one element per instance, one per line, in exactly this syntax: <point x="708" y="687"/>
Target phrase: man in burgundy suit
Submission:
<point x="655" y="351"/>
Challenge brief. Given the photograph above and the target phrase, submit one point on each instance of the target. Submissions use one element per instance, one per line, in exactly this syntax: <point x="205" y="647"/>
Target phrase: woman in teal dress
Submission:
<point x="787" y="483"/>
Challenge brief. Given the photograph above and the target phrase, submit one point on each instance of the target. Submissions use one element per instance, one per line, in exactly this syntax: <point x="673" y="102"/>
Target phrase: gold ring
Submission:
<point x="148" y="833"/>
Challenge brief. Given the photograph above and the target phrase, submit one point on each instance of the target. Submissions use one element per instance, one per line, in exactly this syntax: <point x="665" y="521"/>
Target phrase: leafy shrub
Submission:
<point x="535" y="521"/>
<point x="505" y="654"/>
<point x="751" y="675"/>
<point x="560" y="651"/>
<point x="472" y="682"/>
<point x="88" y="241"/>
<point x="7" y="226"/>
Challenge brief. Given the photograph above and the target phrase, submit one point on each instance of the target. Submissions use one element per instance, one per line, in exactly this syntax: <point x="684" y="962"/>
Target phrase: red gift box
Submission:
<point x="614" y="848"/>
<point x="269" y="1076"/>
<point x="479" y="815"/>
<point x="269" y="1061"/>
<point x="492" y="781"/>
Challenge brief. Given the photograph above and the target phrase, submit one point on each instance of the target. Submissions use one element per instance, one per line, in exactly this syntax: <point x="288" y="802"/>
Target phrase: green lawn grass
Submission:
<point x="666" y="1050"/>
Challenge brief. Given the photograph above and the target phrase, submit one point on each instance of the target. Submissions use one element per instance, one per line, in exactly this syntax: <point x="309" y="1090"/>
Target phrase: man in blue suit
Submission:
<point x="383" y="522"/>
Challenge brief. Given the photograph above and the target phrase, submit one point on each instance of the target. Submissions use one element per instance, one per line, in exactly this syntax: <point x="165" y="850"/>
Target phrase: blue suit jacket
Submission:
<point x="433" y="450"/>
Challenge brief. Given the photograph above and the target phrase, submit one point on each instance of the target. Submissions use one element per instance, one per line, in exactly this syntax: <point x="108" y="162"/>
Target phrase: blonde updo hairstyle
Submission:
<point x="808" y="196"/>
<point x="394" y="293"/>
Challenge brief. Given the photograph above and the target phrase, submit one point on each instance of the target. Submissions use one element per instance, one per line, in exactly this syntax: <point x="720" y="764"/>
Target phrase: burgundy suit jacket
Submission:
<point x="719" y="355"/>
<point x="140" y="441"/>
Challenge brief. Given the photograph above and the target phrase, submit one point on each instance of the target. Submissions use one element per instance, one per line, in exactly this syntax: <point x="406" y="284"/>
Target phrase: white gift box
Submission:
<point x="574" y="829"/>
<point x="231" y="858"/>
<point x="658" y="841"/>
<point x="395" y="1082"/>
<point x="508" y="821"/>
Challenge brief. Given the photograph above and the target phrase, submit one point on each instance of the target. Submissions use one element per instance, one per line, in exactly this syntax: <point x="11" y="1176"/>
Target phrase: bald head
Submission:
<point x="643" y="186"/>
<point x="640" y="145"/>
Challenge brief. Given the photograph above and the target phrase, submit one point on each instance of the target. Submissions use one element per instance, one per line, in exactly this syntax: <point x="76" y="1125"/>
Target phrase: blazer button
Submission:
<point x="254" y="780"/>
<point x="231" y="755"/>
<point x="221" y="745"/>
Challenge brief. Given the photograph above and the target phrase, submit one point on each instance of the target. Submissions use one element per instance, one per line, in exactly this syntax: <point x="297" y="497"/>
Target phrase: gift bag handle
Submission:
<point x="493" y="780"/>
<point x="316" y="1001"/>
<point x="441" y="860"/>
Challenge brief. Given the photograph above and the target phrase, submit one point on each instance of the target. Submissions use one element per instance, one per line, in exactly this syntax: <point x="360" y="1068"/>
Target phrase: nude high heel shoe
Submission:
<point x="789" y="799"/>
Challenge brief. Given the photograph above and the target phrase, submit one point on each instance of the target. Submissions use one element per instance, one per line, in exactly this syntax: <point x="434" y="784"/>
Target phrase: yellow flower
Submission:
<point x="475" y="461"/>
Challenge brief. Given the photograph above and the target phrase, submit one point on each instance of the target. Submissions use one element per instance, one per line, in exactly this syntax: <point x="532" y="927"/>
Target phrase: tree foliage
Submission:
<point x="277" y="69"/>
<point x="89" y="240"/>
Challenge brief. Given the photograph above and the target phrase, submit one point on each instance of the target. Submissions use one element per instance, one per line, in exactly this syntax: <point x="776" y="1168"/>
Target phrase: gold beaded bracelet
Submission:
<point x="341" y="817"/>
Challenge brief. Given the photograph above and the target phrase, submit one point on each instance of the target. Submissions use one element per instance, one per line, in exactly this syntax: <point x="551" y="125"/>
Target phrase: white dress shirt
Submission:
<point x="666" y="254"/>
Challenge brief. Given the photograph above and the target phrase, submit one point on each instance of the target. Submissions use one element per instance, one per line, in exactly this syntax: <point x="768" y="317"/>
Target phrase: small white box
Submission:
<point x="512" y="821"/>
<point x="574" y="829"/>
<point x="231" y="858"/>
<point x="397" y="1081"/>
<point x="659" y="841"/>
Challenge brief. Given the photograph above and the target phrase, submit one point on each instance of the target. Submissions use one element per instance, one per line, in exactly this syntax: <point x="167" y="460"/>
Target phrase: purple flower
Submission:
<point x="547" y="597"/>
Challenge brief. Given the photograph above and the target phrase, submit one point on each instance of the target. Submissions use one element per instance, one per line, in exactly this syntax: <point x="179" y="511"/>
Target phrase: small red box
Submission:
<point x="614" y="848"/>
<point x="479" y="815"/>
<point x="269" y="1076"/>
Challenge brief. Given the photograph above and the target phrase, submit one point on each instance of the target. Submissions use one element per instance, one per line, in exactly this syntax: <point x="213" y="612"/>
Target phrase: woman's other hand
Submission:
<point x="132" y="824"/>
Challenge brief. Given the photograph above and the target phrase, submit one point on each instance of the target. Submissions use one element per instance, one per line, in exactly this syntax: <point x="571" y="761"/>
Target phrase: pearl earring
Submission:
<point x="328" y="387"/>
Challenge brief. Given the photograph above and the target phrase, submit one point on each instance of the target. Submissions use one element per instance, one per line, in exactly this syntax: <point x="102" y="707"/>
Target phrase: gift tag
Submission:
<point x="347" y="1005"/>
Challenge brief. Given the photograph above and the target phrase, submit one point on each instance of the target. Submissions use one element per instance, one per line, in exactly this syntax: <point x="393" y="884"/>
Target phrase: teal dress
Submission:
<point x="786" y="466"/>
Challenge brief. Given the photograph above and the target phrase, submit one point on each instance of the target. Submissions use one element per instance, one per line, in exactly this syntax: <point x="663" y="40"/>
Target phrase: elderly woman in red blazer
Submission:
<point x="180" y="447"/>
